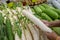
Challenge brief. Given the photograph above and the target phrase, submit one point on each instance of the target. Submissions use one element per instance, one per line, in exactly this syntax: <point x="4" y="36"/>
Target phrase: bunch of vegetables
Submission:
<point x="46" y="12"/>
<point x="34" y="2"/>
<point x="15" y="26"/>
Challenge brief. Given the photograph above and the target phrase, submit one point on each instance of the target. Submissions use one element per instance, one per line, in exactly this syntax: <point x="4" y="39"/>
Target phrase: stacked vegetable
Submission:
<point x="46" y="12"/>
<point x="15" y="26"/>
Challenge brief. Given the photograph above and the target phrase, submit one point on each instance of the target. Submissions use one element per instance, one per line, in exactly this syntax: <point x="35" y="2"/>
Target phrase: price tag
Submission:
<point x="34" y="0"/>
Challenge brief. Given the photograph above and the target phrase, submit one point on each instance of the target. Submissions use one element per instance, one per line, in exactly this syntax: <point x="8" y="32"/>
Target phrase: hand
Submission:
<point x="46" y="22"/>
<point x="52" y="24"/>
<point x="52" y="36"/>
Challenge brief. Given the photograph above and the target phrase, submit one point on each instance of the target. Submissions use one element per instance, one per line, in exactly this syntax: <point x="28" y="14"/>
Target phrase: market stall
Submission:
<point x="22" y="19"/>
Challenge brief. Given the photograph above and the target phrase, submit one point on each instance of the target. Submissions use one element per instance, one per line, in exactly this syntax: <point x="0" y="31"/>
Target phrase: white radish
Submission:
<point x="58" y="1"/>
<point x="28" y="35"/>
<point x="15" y="15"/>
<point x="36" y="21"/>
<point x="18" y="9"/>
<point x="9" y="11"/>
<point x="23" y="34"/>
<point x="17" y="37"/>
<point x="37" y="31"/>
<point x="33" y="31"/>
<point x="49" y="1"/>
<point x="56" y="4"/>
<point x="29" y="9"/>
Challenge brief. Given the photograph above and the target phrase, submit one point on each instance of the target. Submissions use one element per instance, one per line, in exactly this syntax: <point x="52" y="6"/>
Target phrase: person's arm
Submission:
<point x="52" y="24"/>
<point x="53" y="36"/>
<point x="58" y="38"/>
<point x="55" y="23"/>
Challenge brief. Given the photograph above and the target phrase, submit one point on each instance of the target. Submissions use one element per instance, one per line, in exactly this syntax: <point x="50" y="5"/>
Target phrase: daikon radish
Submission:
<point x="36" y="21"/>
<point x="58" y="1"/>
<point x="56" y="4"/>
<point x="33" y="31"/>
<point x="37" y="31"/>
<point x="41" y="34"/>
<point x="17" y="37"/>
<point x="28" y="35"/>
<point x="49" y="1"/>
<point x="23" y="35"/>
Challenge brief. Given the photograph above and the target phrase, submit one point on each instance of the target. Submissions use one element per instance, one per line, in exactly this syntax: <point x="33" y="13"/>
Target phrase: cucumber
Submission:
<point x="59" y="17"/>
<point x="51" y="13"/>
<point x="50" y="7"/>
<point x="47" y="6"/>
<point x="37" y="9"/>
<point x="33" y="10"/>
<point x="41" y="7"/>
<point x="38" y="16"/>
<point x="56" y="10"/>
<point x="57" y="30"/>
<point x="9" y="30"/>
<point x="45" y="17"/>
<point x="56" y="19"/>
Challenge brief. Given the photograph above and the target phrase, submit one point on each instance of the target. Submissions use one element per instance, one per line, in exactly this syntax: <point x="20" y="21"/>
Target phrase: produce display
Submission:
<point x="14" y="25"/>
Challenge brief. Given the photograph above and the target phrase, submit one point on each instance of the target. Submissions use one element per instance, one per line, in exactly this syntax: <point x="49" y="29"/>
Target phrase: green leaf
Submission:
<point x="1" y="19"/>
<point x="10" y="4"/>
<point x="34" y="0"/>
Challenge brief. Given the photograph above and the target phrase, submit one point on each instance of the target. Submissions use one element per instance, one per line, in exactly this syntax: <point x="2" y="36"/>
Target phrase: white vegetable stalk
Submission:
<point x="56" y="4"/>
<point x="58" y="1"/>
<point x="33" y="31"/>
<point x="29" y="9"/>
<point x="49" y="1"/>
<point x="17" y="37"/>
<point x="36" y="21"/>
<point x="28" y="35"/>
<point x="9" y="10"/>
<point x="23" y="34"/>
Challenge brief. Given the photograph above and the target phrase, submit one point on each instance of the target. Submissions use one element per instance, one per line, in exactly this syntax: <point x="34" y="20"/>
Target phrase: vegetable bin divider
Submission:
<point x="36" y="21"/>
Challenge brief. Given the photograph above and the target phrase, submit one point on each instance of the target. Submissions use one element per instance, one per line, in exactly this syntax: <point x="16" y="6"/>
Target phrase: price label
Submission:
<point x="34" y="0"/>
